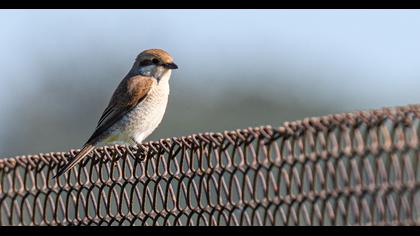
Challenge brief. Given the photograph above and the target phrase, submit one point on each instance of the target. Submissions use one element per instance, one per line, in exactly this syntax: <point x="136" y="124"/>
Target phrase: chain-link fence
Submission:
<point x="360" y="168"/>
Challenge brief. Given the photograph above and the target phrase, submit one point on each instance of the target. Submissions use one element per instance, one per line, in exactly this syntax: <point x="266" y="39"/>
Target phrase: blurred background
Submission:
<point x="238" y="68"/>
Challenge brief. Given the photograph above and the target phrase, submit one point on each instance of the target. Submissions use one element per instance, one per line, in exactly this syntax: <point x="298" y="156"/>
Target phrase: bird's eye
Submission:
<point x="145" y="63"/>
<point x="155" y="61"/>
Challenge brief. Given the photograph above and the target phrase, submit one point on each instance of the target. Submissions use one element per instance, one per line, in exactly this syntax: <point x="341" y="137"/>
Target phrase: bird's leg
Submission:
<point x="143" y="152"/>
<point x="135" y="142"/>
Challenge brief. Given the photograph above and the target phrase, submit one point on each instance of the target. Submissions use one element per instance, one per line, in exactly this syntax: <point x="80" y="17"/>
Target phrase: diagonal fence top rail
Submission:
<point x="360" y="168"/>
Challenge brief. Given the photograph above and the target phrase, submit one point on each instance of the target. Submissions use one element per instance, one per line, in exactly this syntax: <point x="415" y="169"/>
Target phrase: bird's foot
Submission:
<point x="142" y="150"/>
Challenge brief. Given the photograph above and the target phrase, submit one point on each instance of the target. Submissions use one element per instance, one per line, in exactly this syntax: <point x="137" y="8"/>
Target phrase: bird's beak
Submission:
<point x="170" y="65"/>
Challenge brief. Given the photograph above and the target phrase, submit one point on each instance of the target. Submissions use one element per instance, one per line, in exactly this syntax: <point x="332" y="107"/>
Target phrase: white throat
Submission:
<point x="164" y="78"/>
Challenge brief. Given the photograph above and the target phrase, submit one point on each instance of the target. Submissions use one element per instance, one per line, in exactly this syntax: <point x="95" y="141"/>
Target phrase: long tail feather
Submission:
<point x="84" y="152"/>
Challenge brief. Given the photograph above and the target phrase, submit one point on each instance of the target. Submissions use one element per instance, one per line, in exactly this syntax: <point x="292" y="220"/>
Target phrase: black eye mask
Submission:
<point x="146" y="63"/>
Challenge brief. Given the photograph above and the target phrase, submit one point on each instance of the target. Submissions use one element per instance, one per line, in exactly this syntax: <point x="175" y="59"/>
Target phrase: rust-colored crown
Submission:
<point x="159" y="53"/>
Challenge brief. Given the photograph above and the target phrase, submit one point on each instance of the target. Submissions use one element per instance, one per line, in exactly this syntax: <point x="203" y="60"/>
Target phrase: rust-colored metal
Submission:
<point x="360" y="168"/>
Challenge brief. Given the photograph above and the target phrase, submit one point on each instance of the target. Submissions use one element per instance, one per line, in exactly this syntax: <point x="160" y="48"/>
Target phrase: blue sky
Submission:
<point x="350" y="59"/>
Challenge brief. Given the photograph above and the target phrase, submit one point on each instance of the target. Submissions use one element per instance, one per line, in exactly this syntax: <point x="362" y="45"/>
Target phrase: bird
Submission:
<point x="136" y="107"/>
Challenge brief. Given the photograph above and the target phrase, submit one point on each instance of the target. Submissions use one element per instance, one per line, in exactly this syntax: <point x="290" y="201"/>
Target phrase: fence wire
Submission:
<point x="358" y="168"/>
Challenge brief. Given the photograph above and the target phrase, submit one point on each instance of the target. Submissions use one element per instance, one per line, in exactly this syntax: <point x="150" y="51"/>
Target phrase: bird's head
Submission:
<point x="154" y="62"/>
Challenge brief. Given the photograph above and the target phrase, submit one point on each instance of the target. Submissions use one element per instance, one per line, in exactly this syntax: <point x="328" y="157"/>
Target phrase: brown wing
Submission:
<point x="130" y="92"/>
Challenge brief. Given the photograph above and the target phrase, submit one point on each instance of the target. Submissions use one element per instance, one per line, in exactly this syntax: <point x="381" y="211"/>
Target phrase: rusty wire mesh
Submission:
<point x="358" y="168"/>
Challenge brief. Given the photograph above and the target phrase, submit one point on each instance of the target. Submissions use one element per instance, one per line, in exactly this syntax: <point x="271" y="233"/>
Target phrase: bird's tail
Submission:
<point x="84" y="152"/>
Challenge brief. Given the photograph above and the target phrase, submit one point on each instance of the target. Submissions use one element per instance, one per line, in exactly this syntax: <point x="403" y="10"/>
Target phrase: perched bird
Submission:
<point x="137" y="106"/>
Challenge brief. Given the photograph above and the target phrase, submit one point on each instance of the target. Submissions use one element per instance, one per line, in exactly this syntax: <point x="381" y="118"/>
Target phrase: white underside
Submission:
<point x="140" y="122"/>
